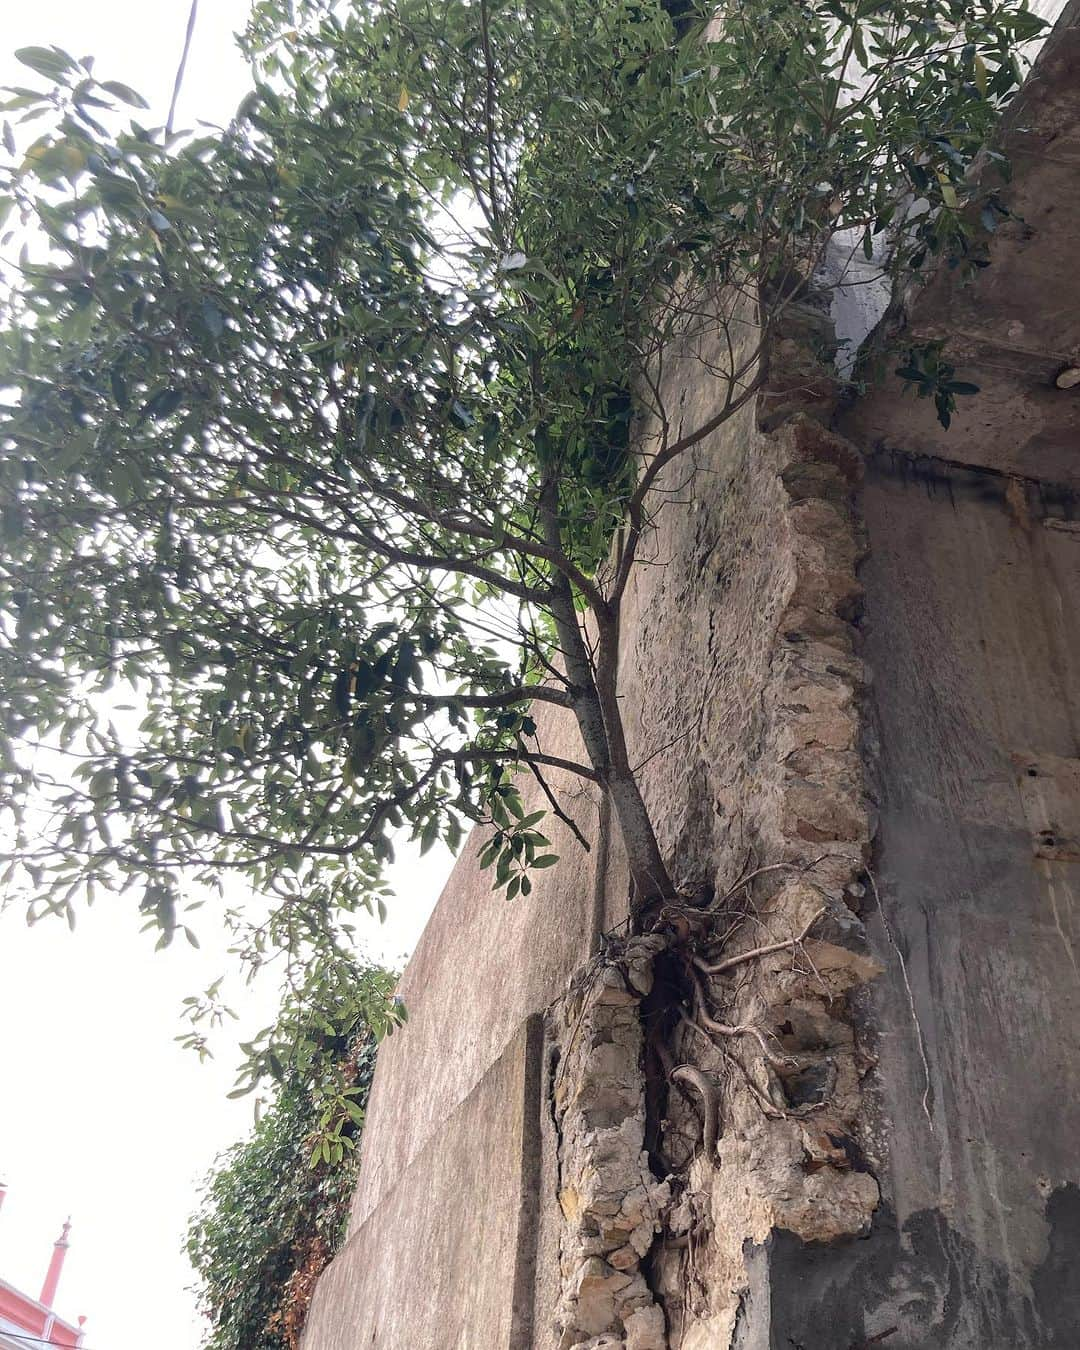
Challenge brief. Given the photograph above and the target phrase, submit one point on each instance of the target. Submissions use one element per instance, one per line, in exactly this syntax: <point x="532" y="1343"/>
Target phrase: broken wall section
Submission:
<point x="741" y="694"/>
<point x="765" y="601"/>
<point x="612" y="1205"/>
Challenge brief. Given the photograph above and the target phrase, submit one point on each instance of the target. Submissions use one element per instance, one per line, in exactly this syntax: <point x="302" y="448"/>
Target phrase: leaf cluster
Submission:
<point x="932" y="377"/>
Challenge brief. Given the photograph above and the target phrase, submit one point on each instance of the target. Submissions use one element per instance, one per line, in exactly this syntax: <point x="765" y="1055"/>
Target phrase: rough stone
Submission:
<point x="645" y="1330"/>
<point x="609" y="1198"/>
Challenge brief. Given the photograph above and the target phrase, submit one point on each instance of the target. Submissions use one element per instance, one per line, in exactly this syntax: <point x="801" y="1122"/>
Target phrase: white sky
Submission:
<point x="102" y="1115"/>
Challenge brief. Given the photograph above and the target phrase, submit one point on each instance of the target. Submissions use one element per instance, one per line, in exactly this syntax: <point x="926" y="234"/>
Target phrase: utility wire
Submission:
<point x="192" y="14"/>
<point x="39" y="1340"/>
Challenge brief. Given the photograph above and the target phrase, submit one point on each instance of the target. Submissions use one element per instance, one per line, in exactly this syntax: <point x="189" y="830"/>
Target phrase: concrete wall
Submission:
<point x="972" y="631"/>
<point x="449" y="1262"/>
<point x="482" y="967"/>
<point x="975" y="641"/>
<point x="864" y="645"/>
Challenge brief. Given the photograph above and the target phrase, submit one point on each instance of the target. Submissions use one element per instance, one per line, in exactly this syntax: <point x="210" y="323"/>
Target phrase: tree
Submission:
<point x="274" y="1208"/>
<point x="332" y="437"/>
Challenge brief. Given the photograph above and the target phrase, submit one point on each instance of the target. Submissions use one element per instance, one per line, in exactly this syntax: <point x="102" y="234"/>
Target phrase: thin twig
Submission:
<point x="800" y="867"/>
<point x="570" y="824"/>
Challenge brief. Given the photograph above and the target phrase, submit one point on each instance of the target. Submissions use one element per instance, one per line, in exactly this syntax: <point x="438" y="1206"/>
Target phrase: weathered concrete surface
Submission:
<point x="481" y="967"/>
<point x="972" y="630"/>
<point x="1016" y="326"/>
<point x="447" y="1258"/>
<point x="975" y="632"/>
<point x="443" y="1251"/>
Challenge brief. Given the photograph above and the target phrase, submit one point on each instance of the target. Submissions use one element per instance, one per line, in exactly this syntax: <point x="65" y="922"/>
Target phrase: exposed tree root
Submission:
<point x="687" y="1073"/>
<point x="721" y="967"/>
<point x="734" y="1090"/>
<point x="709" y="1023"/>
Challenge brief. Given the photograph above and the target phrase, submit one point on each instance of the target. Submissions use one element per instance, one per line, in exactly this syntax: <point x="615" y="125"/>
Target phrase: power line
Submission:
<point x="192" y="13"/>
<point x="40" y="1340"/>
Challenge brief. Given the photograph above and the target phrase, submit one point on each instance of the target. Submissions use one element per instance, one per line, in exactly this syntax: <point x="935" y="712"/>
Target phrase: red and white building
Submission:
<point x="29" y="1323"/>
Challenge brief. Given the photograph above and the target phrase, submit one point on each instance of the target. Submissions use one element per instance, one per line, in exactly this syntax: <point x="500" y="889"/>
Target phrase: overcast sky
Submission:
<point x="102" y="1116"/>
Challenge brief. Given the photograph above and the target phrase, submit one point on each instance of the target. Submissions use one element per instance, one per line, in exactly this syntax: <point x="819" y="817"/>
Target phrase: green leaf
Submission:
<point x="503" y="866"/>
<point x="48" y="61"/>
<point x="429" y="834"/>
<point x="213" y="319"/>
<point x="163" y="404"/>
<point x="461" y="415"/>
<point x="124" y="94"/>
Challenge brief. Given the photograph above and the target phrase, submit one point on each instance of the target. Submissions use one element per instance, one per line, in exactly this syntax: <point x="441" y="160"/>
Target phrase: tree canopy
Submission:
<point x="328" y="439"/>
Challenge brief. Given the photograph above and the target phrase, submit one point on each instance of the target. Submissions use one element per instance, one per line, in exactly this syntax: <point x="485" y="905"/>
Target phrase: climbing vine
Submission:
<point x="273" y="1210"/>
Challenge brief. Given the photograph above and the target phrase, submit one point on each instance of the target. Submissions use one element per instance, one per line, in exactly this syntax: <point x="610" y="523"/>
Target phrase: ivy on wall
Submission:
<point x="274" y="1208"/>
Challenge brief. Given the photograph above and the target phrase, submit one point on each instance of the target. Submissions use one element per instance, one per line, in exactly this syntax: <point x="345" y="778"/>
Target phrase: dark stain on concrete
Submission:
<point x="925" y="1285"/>
<point x="1056" y="1283"/>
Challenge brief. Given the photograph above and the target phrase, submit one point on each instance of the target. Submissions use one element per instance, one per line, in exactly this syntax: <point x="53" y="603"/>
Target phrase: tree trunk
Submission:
<point x="648" y="872"/>
<point x="596" y="707"/>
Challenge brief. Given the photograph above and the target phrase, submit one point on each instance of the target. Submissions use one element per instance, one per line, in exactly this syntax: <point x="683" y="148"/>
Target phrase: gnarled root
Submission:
<point x="686" y="1073"/>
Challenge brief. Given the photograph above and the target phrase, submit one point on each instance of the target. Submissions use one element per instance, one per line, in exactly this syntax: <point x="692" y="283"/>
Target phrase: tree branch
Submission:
<point x="524" y="693"/>
<point x="635" y="507"/>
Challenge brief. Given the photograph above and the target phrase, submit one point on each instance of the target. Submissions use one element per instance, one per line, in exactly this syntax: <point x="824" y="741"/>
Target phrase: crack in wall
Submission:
<point x="611" y="1202"/>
